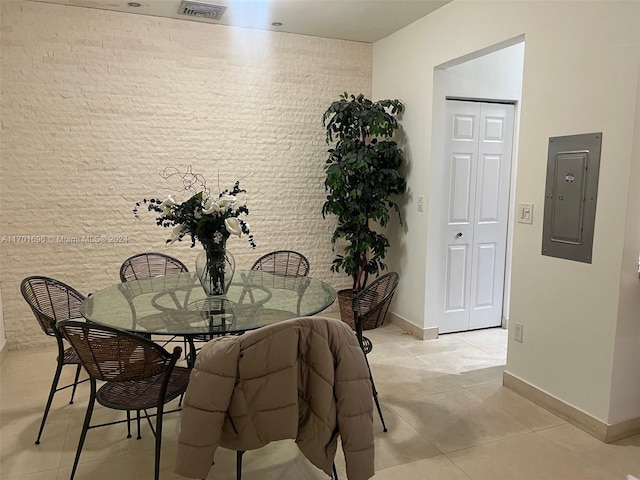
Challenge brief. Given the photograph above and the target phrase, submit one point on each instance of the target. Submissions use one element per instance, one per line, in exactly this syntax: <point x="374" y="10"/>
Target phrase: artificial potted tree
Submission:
<point x="362" y="177"/>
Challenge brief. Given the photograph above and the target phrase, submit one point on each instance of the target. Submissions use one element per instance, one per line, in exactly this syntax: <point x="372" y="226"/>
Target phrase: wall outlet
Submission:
<point x="518" y="330"/>
<point x="421" y="203"/>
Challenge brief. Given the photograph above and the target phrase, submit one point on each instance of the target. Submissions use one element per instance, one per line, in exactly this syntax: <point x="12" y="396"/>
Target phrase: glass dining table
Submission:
<point x="176" y="304"/>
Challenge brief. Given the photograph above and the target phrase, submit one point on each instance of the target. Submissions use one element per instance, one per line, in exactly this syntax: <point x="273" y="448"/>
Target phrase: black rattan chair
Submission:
<point x="289" y="271"/>
<point x="143" y="266"/>
<point x="139" y="376"/>
<point x="149" y="265"/>
<point x="370" y="307"/>
<point x="283" y="262"/>
<point x="52" y="301"/>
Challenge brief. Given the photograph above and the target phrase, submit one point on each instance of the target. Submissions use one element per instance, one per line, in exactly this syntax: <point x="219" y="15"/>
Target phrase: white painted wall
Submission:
<point x="3" y="340"/>
<point x="95" y="104"/>
<point x="627" y="334"/>
<point x="495" y="75"/>
<point x="576" y="80"/>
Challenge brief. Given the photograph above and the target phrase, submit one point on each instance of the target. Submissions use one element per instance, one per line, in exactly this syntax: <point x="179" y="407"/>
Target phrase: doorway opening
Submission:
<point x="471" y="184"/>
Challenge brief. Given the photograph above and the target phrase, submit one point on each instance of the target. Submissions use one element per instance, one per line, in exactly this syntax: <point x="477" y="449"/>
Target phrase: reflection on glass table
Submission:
<point x="177" y="304"/>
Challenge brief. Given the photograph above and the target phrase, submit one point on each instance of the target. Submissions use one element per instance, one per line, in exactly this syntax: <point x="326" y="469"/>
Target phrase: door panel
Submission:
<point x="457" y="278"/>
<point x="489" y="196"/>
<point x="479" y="144"/>
<point x="485" y="261"/>
<point x="462" y="134"/>
<point x="460" y="196"/>
<point x="493" y="129"/>
<point x="464" y="127"/>
<point x="495" y="150"/>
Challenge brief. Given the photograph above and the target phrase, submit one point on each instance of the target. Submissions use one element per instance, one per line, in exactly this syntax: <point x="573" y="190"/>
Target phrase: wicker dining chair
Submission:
<point x="143" y="266"/>
<point x="52" y="301"/>
<point x="283" y="262"/>
<point x="148" y="265"/>
<point x="139" y="375"/>
<point x="370" y="307"/>
<point x="289" y="269"/>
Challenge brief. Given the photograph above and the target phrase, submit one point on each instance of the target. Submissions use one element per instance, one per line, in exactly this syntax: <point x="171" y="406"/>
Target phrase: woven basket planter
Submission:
<point x="346" y="311"/>
<point x="346" y="307"/>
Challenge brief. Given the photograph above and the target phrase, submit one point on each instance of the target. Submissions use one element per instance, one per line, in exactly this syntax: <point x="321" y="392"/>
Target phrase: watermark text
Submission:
<point x="65" y="239"/>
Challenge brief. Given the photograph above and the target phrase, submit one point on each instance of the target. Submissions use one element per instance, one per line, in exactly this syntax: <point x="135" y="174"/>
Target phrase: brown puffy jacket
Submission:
<point x="305" y="378"/>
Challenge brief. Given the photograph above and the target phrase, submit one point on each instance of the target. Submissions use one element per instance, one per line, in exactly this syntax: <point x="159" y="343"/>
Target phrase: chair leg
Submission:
<point x="239" y="454"/>
<point x="128" y="423"/>
<point x="75" y="383"/>
<point x="52" y="392"/>
<point x="375" y="398"/>
<point x="190" y="357"/>
<point x="375" y="395"/>
<point x="85" y="427"/>
<point x="159" y="414"/>
<point x="138" y="422"/>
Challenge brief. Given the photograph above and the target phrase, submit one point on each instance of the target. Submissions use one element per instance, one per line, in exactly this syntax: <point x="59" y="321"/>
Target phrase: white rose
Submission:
<point x="233" y="226"/>
<point x="212" y="208"/>
<point x="175" y="233"/>
<point x="167" y="204"/>
<point x="226" y="201"/>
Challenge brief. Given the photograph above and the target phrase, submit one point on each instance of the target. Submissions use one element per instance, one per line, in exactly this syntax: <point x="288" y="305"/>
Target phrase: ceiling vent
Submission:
<point x="202" y="10"/>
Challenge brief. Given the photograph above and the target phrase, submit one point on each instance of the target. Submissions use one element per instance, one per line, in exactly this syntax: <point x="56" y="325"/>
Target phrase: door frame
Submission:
<point x="505" y="209"/>
<point x="442" y="93"/>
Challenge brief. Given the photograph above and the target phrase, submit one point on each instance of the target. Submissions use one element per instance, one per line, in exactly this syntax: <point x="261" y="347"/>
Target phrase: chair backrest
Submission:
<point x="51" y="301"/>
<point x="284" y="262"/>
<point x="371" y="304"/>
<point x="148" y="265"/>
<point x="112" y="355"/>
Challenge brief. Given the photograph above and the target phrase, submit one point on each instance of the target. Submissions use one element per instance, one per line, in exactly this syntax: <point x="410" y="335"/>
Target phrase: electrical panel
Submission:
<point x="573" y="164"/>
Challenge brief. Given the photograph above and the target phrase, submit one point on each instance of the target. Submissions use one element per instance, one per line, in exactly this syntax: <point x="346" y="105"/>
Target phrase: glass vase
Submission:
<point x="215" y="267"/>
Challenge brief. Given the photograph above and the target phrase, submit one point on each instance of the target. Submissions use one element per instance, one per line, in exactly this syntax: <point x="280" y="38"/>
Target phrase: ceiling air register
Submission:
<point x="201" y="10"/>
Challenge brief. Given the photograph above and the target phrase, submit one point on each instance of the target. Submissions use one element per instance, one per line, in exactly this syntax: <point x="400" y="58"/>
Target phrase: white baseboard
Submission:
<point x="430" y="333"/>
<point x="421" y="333"/>
<point x="593" y="426"/>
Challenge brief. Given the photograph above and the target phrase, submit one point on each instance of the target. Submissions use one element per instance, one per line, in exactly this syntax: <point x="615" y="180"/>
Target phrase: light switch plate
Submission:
<point x="525" y="212"/>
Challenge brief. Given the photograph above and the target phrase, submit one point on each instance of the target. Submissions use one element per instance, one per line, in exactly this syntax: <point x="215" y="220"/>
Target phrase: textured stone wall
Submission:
<point x="96" y="104"/>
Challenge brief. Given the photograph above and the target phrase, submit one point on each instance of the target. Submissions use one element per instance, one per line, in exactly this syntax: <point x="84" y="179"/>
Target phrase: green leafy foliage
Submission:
<point x="362" y="176"/>
<point x="202" y="216"/>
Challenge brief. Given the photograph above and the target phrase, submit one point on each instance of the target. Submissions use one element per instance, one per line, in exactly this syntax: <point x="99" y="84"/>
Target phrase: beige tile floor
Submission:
<point x="449" y="418"/>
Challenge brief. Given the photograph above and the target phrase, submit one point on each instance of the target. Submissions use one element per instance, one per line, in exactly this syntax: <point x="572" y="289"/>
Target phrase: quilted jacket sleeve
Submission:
<point x="205" y="404"/>
<point x="354" y="402"/>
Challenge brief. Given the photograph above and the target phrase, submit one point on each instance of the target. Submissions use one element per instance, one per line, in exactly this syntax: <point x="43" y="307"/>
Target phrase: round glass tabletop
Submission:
<point x="177" y="304"/>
